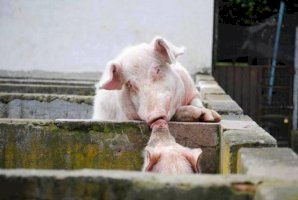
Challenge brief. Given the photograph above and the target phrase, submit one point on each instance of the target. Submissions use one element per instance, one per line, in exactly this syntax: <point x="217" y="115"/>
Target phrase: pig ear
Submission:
<point x="112" y="77"/>
<point x="151" y="158"/>
<point x="167" y="50"/>
<point x="193" y="156"/>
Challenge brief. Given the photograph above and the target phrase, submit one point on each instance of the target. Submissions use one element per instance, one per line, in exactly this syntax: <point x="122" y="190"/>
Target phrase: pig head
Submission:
<point x="163" y="155"/>
<point x="145" y="82"/>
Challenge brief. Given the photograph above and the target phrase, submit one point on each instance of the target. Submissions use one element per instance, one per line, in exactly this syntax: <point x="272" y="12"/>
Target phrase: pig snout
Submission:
<point x="159" y="124"/>
<point x="155" y="116"/>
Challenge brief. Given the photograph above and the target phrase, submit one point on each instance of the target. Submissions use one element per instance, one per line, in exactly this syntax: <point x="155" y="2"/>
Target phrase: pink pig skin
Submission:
<point x="163" y="155"/>
<point x="146" y="83"/>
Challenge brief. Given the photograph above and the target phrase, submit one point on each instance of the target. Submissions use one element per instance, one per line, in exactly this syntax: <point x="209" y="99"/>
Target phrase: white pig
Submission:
<point x="163" y="155"/>
<point x="146" y="83"/>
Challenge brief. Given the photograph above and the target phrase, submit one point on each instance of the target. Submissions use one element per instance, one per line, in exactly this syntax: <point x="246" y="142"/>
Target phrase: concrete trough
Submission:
<point x="45" y="106"/>
<point x="53" y="106"/>
<point x="75" y="144"/>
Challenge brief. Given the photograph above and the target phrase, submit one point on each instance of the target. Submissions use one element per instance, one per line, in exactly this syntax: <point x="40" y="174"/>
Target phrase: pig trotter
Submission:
<point x="195" y="114"/>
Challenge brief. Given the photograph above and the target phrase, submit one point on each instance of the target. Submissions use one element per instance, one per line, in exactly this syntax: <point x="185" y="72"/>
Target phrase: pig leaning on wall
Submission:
<point x="146" y="83"/>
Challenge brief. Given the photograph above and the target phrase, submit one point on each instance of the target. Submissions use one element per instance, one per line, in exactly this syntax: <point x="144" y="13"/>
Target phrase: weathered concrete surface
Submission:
<point x="281" y="163"/>
<point x="40" y="74"/>
<point x="103" y="184"/>
<point x="225" y="107"/>
<point x="237" y="122"/>
<point x="214" y="97"/>
<point x="277" y="191"/>
<point x="45" y="106"/>
<point x="7" y="97"/>
<point x="233" y="140"/>
<point x="47" y="81"/>
<point x="52" y="106"/>
<point x="210" y="89"/>
<point x="203" y="77"/>
<point x="72" y="144"/>
<point x="236" y="117"/>
<point x="48" y="89"/>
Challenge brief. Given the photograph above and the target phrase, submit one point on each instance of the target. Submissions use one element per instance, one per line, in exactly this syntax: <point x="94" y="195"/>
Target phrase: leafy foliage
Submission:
<point x="249" y="12"/>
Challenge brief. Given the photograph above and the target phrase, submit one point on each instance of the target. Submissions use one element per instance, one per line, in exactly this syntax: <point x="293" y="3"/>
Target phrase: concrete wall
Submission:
<point x="61" y="35"/>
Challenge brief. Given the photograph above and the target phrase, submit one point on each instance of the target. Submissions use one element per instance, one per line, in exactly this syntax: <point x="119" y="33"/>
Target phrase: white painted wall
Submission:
<point x="82" y="35"/>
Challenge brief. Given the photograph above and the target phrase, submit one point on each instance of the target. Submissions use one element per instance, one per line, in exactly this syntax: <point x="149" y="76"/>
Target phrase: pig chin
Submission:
<point x="173" y="165"/>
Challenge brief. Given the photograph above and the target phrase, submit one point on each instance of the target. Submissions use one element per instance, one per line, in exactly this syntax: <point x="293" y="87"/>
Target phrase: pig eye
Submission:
<point x="157" y="73"/>
<point x="131" y="86"/>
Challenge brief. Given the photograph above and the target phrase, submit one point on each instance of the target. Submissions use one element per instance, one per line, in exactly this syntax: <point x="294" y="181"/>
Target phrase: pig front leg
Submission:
<point x="196" y="112"/>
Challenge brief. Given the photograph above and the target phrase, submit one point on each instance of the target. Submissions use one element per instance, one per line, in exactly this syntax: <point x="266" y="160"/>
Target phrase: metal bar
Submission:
<point x="295" y="90"/>
<point x="275" y="50"/>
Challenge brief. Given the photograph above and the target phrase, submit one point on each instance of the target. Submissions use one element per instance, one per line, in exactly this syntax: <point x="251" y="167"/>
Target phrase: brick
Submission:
<point x="113" y="184"/>
<point x="71" y="144"/>
<point x="233" y="140"/>
<point x="281" y="163"/>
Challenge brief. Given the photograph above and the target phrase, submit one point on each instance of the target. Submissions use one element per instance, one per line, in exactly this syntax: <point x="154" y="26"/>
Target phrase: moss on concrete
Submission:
<point x="72" y="144"/>
<point x="48" y="146"/>
<point x="103" y="184"/>
<point x="233" y="140"/>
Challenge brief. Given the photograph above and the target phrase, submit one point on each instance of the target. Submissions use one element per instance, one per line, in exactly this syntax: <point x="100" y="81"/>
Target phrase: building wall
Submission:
<point x="64" y="35"/>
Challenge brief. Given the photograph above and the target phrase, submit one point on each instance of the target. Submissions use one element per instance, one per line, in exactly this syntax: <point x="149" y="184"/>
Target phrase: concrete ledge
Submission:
<point x="214" y="97"/>
<point x="281" y="163"/>
<point x="45" y="106"/>
<point x="39" y="74"/>
<point x="72" y="144"/>
<point x="277" y="191"/>
<point x="237" y="122"/>
<point x="233" y="140"/>
<point x="103" y="184"/>
<point x="8" y="80"/>
<point x="48" y="89"/>
<point x="210" y="89"/>
<point x="203" y="77"/>
<point x="236" y="118"/>
<point x="223" y="104"/>
<point x="224" y="108"/>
